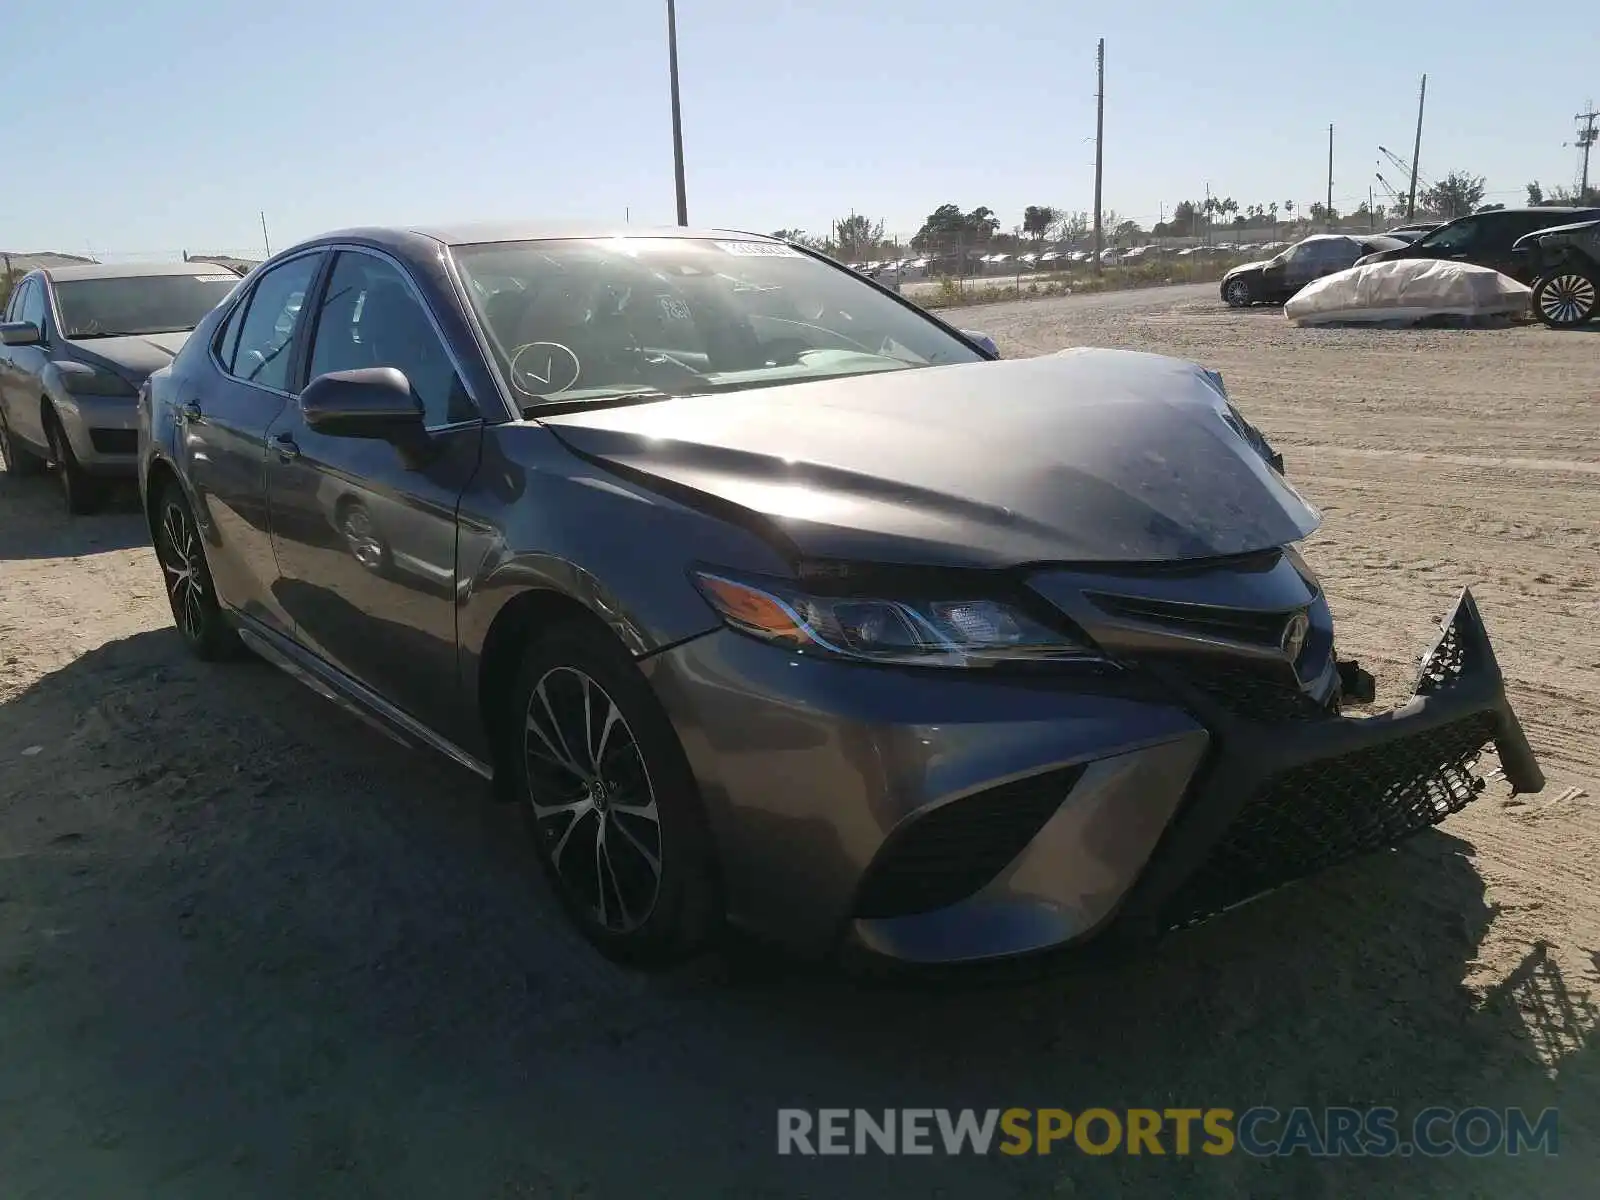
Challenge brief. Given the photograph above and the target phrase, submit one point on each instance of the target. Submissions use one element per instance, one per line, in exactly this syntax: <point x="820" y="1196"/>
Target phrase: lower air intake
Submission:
<point x="951" y="852"/>
<point x="1311" y="817"/>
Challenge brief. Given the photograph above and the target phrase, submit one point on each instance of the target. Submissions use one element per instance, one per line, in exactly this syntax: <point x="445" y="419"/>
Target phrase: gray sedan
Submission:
<point x="75" y="344"/>
<point x="776" y="602"/>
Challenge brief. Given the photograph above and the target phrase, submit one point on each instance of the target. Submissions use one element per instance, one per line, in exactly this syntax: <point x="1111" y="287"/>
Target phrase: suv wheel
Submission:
<point x="18" y="459"/>
<point x="614" y="809"/>
<point x="187" y="577"/>
<point x="82" y="492"/>
<point x="1566" y="297"/>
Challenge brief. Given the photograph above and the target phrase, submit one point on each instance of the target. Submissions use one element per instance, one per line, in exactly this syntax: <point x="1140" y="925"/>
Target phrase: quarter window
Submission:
<point x="267" y="331"/>
<point x="227" y="340"/>
<point x="370" y="317"/>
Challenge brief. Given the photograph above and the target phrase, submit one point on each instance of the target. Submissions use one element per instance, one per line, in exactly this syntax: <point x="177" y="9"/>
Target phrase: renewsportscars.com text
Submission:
<point x="1260" y="1132"/>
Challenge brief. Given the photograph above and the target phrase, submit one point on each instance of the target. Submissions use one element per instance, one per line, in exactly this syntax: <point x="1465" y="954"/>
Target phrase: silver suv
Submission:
<point x="75" y="345"/>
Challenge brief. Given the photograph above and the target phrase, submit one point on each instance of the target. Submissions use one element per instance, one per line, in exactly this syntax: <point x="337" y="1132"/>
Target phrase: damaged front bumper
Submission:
<point x="1277" y="803"/>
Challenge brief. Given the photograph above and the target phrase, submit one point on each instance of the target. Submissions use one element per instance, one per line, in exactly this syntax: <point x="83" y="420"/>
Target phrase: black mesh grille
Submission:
<point x="1255" y="694"/>
<point x="1313" y="816"/>
<point x="950" y="853"/>
<point x="1444" y="665"/>
<point x="114" y="441"/>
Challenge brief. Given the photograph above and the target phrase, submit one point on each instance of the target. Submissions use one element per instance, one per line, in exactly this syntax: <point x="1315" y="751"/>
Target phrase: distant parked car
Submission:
<point x="1278" y="278"/>
<point x="1566" y="259"/>
<point x="75" y="345"/>
<point x="1487" y="239"/>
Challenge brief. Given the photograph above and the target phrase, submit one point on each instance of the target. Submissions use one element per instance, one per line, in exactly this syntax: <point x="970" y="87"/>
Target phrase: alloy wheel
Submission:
<point x="1567" y="299"/>
<point x="594" y="805"/>
<point x="1238" y="293"/>
<point x="178" y="550"/>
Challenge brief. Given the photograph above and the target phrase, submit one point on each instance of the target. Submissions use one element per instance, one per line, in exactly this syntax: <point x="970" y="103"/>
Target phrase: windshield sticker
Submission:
<point x="759" y="250"/>
<point x="541" y="369"/>
<point x="673" y="309"/>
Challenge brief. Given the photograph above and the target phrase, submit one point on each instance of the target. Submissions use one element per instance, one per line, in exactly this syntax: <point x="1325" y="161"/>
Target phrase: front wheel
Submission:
<point x="201" y="623"/>
<point x="1566" y="297"/>
<point x="1237" y="293"/>
<point x="83" y="493"/>
<point x="615" y="812"/>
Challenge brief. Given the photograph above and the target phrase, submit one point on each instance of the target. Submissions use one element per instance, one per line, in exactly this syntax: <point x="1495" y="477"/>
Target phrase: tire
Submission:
<point x="624" y="843"/>
<point x="1567" y="297"/>
<point x="18" y="459"/>
<point x="186" y="577"/>
<point x="83" y="493"/>
<point x="1238" y="294"/>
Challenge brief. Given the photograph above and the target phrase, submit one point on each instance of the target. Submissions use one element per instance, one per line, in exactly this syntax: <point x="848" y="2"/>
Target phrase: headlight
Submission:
<point x="961" y="632"/>
<point x="83" y="380"/>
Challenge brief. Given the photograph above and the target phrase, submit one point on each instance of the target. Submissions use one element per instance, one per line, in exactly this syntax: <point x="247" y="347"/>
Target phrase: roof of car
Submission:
<point x="126" y="270"/>
<point x="470" y="233"/>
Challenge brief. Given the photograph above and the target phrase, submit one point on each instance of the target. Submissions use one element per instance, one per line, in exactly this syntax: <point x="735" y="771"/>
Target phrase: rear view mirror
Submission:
<point x="19" y="333"/>
<point x="369" y="402"/>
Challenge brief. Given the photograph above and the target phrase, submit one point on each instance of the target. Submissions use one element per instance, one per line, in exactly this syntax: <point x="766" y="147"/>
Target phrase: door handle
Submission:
<point x="190" y="414"/>
<point x="287" y="450"/>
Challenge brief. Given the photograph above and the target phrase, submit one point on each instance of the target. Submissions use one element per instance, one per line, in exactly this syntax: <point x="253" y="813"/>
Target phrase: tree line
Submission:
<point x="950" y="228"/>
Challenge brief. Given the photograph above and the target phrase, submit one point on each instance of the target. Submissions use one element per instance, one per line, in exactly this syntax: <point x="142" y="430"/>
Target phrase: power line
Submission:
<point x="1586" y="140"/>
<point x="1099" y="150"/>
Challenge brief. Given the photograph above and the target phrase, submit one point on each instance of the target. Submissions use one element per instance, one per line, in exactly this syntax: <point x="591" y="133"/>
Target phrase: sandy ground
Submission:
<point x="249" y="948"/>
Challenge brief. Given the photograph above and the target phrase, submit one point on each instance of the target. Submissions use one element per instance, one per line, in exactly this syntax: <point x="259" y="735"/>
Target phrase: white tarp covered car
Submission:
<point x="1405" y="290"/>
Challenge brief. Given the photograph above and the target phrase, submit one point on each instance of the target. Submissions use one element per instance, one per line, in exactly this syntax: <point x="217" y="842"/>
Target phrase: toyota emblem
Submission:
<point x="1293" y="640"/>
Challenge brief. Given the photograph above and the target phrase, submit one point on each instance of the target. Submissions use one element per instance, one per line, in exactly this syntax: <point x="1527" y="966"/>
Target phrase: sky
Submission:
<point x="140" y="130"/>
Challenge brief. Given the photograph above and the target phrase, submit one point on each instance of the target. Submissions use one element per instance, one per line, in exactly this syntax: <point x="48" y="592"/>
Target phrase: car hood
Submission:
<point x="1249" y="266"/>
<point x="1409" y="251"/>
<point x="1085" y="456"/>
<point x="133" y="356"/>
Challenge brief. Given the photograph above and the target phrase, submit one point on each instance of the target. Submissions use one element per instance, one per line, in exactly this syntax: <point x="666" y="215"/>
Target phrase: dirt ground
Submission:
<point x="249" y="948"/>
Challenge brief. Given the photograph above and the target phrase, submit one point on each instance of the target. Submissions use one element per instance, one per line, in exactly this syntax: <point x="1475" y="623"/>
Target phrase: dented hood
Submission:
<point x="1085" y="456"/>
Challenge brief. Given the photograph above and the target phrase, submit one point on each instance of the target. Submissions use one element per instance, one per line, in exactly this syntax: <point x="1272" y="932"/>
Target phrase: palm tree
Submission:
<point x="1273" y="209"/>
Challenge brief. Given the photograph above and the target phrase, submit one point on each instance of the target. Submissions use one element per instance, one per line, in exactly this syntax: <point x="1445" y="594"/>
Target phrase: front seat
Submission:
<point x="398" y="334"/>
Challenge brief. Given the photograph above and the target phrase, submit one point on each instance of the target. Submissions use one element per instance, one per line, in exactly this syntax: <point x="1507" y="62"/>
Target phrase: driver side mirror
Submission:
<point x="19" y="333"/>
<point x="369" y="402"/>
<point x="983" y="339"/>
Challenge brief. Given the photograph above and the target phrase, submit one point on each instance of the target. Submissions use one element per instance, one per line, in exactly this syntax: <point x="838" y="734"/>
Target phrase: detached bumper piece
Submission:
<point x="1284" y="800"/>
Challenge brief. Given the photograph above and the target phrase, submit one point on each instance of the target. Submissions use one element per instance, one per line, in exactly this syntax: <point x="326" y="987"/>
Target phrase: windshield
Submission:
<point x="133" y="304"/>
<point x="589" y="319"/>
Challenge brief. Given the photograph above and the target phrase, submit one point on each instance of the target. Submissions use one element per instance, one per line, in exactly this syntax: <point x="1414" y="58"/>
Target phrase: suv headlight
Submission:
<point x="82" y="380"/>
<point x="960" y="632"/>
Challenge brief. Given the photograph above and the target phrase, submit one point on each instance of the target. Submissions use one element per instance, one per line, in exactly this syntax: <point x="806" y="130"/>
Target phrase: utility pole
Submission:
<point x="1207" y="211"/>
<point x="1586" y="139"/>
<point x="677" y="111"/>
<point x="1416" y="154"/>
<point x="1099" y="149"/>
<point x="1327" y="216"/>
<point x="265" y="241"/>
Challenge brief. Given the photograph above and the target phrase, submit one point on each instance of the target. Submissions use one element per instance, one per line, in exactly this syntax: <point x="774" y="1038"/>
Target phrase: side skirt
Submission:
<point x="355" y="698"/>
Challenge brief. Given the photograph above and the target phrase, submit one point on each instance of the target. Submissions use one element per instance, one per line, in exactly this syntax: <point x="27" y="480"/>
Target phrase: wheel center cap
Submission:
<point x="599" y="794"/>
